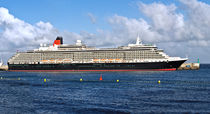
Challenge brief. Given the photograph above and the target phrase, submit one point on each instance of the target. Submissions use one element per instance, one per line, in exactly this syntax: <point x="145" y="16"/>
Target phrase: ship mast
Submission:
<point x="1" y="63"/>
<point x="138" y="41"/>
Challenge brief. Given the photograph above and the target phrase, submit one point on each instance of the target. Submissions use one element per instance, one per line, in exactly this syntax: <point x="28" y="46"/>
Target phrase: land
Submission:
<point x="4" y="68"/>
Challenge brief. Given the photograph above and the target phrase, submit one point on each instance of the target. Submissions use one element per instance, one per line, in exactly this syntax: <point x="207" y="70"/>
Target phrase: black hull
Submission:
<point x="171" y="65"/>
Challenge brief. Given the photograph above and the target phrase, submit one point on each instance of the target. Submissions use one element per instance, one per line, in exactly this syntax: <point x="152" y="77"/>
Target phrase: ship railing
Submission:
<point x="176" y="58"/>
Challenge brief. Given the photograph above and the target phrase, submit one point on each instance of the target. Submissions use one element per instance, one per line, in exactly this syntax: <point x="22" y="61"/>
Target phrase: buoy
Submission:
<point x="18" y="78"/>
<point x="159" y="81"/>
<point x="81" y="80"/>
<point x="101" y="78"/>
<point x="1" y="78"/>
<point x="45" y="80"/>
<point x="117" y="80"/>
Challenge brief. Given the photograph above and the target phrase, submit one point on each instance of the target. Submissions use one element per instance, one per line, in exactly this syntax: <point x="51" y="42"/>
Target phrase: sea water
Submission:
<point x="186" y="91"/>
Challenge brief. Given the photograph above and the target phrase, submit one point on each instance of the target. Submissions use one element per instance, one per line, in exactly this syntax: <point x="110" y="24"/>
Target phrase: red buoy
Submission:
<point x="101" y="78"/>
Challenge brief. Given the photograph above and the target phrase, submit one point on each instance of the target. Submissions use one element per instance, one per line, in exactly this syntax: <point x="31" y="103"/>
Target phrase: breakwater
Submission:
<point x="189" y="66"/>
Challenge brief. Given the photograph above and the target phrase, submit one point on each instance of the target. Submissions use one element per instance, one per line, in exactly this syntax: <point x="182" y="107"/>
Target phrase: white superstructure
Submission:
<point x="80" y="53"/>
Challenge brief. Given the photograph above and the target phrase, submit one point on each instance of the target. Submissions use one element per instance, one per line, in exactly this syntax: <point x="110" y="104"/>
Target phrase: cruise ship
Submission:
<point x="61" y="57"/>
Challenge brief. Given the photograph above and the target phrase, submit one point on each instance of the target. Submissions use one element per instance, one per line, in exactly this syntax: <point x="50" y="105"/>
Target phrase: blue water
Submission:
<point x="136" y="92"/>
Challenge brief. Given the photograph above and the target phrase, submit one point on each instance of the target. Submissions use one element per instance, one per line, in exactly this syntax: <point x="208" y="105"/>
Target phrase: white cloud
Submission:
<point x="92" y="18"/>
<point x="177" y="32"/>
<point x="164" y="20"/>
<point x="198" y="19"/>
<point x="171" y="25"/>
<point x="17" y="33"/>
<point x="126" y="30"/>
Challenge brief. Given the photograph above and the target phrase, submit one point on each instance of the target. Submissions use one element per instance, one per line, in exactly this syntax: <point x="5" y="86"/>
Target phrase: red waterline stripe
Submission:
<point x="172" y="69"/>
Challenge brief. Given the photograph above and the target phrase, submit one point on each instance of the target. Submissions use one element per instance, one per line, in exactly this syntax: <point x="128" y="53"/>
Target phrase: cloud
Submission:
<point x="177" y="27"/>
<point x="198" y="19"/>
<point x="179" y="30"/>
<point x="92" y="18"/>
<point x="17" y="33"/>
<point x="127" y="29"/>
<point x="164" y="20"/>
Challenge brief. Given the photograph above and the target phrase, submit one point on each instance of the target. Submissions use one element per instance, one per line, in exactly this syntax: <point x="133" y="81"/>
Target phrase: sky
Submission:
<point x="179" y="27"/>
